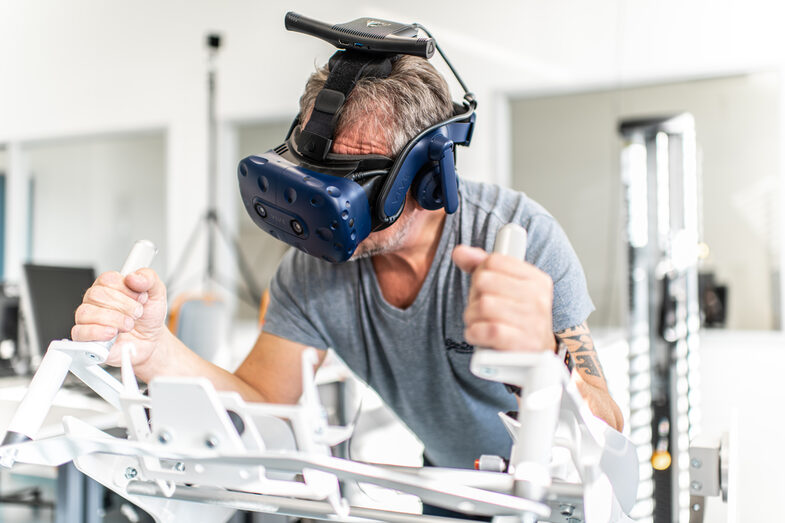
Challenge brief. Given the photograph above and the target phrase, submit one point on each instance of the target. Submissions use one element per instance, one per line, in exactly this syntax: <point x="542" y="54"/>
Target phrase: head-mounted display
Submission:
<point x="324" y="203"/>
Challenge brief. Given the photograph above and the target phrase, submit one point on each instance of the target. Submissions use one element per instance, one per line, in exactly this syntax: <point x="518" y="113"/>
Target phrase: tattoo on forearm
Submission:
<point x="581" y="347"/>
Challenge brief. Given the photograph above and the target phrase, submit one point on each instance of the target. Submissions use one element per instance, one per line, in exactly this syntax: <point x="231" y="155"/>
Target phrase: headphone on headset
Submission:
<point x="325" y="203"/>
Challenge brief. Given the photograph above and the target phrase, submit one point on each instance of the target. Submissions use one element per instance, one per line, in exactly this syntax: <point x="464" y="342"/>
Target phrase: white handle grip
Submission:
<point x="511" y="240"/>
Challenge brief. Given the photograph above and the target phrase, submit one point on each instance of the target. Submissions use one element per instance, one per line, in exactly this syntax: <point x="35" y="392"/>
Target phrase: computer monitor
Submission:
<point x="49" y="296"/>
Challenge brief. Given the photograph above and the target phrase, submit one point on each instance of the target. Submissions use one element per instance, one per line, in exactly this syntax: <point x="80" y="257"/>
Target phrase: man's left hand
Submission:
<point x="510" y="302"/>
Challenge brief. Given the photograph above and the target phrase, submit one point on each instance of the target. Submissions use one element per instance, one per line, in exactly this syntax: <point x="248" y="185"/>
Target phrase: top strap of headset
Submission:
<point x="369" y="46"/>
<point x="372" y="35"/>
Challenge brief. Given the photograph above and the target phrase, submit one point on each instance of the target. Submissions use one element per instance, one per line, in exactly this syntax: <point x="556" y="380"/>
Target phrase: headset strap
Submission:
<point x="346" y="69"/>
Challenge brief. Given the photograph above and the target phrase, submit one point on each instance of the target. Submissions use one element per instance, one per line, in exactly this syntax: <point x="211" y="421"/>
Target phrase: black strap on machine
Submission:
<point x="346" y="69"/>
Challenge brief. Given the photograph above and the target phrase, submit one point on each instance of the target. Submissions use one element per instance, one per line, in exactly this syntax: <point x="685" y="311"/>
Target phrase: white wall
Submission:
<point x="94" y="196"/>
<point x="741" y="393"/>
<point x="88" y="66"/>
<point x="262" y="251"/>
<point x="566" y="156"/>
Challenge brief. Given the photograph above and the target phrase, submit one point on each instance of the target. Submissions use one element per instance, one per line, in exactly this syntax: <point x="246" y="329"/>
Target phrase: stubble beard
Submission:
<point x="392" y="240"/>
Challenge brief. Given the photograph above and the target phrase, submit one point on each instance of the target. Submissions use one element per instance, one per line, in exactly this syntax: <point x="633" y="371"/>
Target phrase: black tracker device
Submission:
<point x="324" y="203"/>
<point x="365" y="34"/>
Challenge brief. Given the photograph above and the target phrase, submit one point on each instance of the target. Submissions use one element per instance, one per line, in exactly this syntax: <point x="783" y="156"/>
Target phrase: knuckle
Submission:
<point x="106" y="278"/>
<point x="79" y="314"/>
<point x="492" y="332"/>
<point x="485" y="305"/>
<point x="495" y="262"/>
<point x="89" y="294"/>
<point x="484" y="280"/>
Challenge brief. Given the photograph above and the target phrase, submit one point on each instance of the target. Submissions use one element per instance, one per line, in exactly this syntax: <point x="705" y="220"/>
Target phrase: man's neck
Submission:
<point x="402" y="273"/>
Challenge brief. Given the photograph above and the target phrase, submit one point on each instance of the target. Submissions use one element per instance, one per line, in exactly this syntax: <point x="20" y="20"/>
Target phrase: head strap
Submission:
<point x="346" y="69"/>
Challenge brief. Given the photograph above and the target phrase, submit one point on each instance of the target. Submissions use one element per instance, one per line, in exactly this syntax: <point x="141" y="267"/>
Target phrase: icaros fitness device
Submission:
<point x="193" y="453"/>
<point x="324" y="203"/>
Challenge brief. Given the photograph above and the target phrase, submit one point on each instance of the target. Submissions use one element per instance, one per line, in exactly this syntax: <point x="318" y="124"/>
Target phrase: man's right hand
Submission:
<point x="131" y="307"/>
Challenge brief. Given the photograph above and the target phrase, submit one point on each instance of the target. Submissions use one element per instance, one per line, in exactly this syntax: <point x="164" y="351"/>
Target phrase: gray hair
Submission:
<point x="413" y="97"/>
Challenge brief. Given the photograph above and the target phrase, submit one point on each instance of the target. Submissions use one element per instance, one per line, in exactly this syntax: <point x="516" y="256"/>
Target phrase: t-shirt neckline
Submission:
<point x="422" y="296"/>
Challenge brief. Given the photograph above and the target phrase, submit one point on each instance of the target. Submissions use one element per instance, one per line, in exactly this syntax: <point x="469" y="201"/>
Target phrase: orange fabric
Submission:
<point x="263" y="306"/>
<point x="177" y="304"/>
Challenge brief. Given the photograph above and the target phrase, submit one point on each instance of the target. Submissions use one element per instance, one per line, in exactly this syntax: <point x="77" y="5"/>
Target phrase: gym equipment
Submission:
<point x="197" y="454"/>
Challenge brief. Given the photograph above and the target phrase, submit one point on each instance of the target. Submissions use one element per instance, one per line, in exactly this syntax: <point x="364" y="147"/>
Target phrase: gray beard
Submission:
<point x="369" y="248"/>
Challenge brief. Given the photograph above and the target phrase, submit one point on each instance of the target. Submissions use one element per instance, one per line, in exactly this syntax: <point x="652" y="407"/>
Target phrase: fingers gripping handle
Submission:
<point x="141" y="255"/>
<point x="510" y="241"/>
<point x="51" y="373"/>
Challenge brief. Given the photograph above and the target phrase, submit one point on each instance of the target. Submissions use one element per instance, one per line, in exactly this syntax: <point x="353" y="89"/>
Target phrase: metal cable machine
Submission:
<point x="659" y="172"/>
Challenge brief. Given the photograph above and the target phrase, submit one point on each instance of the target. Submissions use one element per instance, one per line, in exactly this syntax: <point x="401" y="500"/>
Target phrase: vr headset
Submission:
<point x="324" y="203"/>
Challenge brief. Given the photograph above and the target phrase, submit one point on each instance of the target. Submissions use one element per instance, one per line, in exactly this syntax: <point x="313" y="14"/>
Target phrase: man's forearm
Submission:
<point x="173" y="358"/>
<point x="591" y="378"/>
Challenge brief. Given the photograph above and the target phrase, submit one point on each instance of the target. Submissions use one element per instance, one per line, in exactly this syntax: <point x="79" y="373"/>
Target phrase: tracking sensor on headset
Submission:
<point x="324" y="203"/>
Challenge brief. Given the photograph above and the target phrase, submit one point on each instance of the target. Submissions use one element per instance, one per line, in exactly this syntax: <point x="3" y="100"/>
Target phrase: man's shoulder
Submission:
<point x="505" y="204"/>
<point x="298" y="268"/>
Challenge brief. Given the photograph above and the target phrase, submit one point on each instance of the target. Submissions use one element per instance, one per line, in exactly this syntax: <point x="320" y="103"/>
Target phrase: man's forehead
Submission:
<point x="363" y="138"/>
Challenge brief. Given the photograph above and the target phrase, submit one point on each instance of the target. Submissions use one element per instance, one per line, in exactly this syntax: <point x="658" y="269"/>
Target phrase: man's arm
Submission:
<point x="134" y="308"/>
<point x="590" y="378"/>
<point x="271" y="373"/>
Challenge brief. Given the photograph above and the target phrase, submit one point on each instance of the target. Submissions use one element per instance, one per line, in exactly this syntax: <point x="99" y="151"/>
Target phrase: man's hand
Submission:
<point x="132" y="308"/>
<point x="510" y="302"/>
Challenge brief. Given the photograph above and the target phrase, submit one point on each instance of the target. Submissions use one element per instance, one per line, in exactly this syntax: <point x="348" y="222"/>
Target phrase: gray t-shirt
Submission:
<point x="416" y="358"/>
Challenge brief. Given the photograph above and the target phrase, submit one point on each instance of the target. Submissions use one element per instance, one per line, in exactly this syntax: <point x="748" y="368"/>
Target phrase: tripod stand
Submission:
<point x="210" y="221"/>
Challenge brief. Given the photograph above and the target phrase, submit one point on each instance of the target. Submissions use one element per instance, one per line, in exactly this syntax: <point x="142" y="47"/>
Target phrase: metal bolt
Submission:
<point x="297" y="227"/>
<point x="164" y="437"/>
<point x="179" y="466"/>
<point x="695" y="463"/>
<point x="696" y="507"/>
<point x="260" y="210"/>
<point x="696" y="485"/>
<point x="130" y="473"/>
<point x="211" y="442"/>
<point x="566" y="509"/>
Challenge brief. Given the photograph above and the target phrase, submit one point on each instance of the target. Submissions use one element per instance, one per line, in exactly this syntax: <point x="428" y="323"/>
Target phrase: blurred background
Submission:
<point x="104" y="139"/>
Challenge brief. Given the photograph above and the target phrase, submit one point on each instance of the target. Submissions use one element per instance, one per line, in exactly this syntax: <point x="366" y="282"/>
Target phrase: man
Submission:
<point x="407" y="311"/>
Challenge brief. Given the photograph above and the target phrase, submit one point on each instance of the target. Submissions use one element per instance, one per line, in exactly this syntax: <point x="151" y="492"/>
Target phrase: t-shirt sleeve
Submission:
<point x="287" y="314"/>
<point x="549" y="249"/>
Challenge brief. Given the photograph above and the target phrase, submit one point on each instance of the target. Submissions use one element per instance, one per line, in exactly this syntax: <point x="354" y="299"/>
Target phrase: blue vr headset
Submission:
<point x="325" y="204"/>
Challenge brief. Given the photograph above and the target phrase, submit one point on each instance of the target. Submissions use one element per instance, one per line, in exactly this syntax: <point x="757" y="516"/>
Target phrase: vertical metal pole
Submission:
<point x="69" y="506"/>
<point x="660" y="173"/>
<point x="635" y="178"/>
<point x="212" y="167"/>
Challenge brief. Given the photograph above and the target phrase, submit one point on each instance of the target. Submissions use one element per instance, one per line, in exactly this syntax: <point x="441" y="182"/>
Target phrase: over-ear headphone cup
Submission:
<point x="428" y="191"/>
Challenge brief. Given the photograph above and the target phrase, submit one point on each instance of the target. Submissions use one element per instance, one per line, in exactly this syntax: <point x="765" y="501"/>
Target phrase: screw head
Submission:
<point x="211" y="442"/>
<point x="695" y="463"/>
<point x="566" y="509"/>
<point x="179" y="466"/>
<point x="164" y="437"/>
<point x="696" y="485"/>
<point x="130" y="473"/>
<point x="260" y="210"/>
<point x="297" y="227"/>
<point x="91" y="356"/>
<point x="696" y="507"/>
